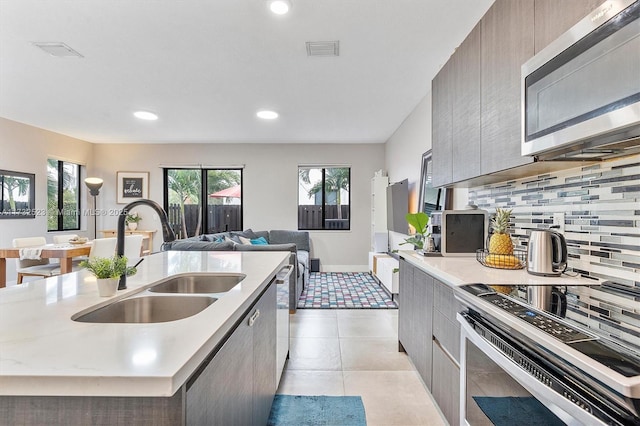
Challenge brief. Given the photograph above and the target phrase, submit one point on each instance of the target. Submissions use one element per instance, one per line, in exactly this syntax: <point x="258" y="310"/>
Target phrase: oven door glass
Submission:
<point x="492" y="396"/>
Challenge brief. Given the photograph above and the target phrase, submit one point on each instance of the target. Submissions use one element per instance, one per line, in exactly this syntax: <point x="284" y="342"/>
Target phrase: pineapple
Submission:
<point x="500" y="242"/>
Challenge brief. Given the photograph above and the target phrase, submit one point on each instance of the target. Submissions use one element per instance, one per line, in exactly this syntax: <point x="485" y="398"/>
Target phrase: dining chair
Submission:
<point x="63" y="239"/>
<point x="103" y="247"/>
<point x="33" y="267"/>
<point x="100" y="247"/>
<point x="133" y="246"/>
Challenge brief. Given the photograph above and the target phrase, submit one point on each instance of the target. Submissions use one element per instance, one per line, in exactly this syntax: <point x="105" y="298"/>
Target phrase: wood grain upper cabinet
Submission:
<point x="441" y="131"/>
<point x="507" y="43"/>
<point x="553" y="17"/>
<point x="466" y="108"/>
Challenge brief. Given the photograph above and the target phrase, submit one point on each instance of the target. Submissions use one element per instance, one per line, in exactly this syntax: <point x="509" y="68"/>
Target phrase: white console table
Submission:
<point x="385" y="269"/>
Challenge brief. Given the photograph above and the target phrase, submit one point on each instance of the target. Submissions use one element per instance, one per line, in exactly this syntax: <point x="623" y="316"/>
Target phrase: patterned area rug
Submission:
<point x="344" y="290"/>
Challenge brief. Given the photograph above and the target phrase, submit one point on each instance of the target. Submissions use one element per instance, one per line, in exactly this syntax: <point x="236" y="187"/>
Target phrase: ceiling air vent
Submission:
<point x="323" y="48"/>
<point x="58" y="49"/>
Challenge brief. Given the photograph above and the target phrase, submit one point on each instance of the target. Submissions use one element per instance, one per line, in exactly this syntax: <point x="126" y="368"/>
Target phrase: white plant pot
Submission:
<point x="107" y="287"/>
<point x="132" y="226"/>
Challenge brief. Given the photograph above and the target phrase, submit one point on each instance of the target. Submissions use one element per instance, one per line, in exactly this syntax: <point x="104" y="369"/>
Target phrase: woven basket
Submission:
<point x="517" y="260"/>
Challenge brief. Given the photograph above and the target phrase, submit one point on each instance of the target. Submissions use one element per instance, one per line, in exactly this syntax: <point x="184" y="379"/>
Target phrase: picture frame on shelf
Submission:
<point x="132" y="186"/>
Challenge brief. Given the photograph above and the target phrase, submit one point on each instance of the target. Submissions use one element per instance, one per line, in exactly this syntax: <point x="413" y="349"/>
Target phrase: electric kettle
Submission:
<point x="546" y="253"/>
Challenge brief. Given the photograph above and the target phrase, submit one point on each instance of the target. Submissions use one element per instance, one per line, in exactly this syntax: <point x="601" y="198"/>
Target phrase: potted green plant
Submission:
<point x="107" y="271"/>
<point x="419" y="222"/>
<point x="132" y="220"/>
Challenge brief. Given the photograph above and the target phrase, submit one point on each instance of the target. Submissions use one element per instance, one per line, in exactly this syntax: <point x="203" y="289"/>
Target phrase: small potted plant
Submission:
<point x="419" y="222"/>
<point x="132" y="220"/>
<point x="107" y="271"/>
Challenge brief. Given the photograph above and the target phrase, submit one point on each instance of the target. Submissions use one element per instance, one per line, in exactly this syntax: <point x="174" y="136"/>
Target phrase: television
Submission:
<point x="398" y="206"/>
<point x="432" y="199"/>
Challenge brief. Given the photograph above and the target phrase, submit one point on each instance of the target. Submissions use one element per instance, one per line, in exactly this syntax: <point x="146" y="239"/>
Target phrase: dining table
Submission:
<point x="64" y="252"/>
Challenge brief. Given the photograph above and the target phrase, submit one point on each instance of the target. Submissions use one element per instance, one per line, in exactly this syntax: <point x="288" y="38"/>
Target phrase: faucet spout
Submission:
<point x="167" y="233"/>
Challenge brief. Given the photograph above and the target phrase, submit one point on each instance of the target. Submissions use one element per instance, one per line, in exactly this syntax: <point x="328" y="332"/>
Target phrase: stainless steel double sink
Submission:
<point x="168" y="300"/>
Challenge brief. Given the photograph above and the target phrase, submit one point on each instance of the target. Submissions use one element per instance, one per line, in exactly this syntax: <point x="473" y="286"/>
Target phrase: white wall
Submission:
<point x="404" y="149"/>
<point x="270" y="187"/>
<point x="270" y="184"/>
<point x="26" y="149"/>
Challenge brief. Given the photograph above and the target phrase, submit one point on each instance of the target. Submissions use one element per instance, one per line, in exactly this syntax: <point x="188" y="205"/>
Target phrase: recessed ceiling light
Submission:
<point x="267" y="115"/>
<point x="145" y="115"/>
<point x="280" y="7"/>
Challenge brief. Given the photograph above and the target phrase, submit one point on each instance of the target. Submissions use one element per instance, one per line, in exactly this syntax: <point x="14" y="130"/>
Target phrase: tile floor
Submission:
<point x="355" y="352"/>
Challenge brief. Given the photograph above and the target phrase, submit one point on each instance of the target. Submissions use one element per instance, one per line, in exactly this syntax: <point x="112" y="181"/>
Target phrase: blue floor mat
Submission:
<point x="521" y="411"/>
<point x="298" y="410"/>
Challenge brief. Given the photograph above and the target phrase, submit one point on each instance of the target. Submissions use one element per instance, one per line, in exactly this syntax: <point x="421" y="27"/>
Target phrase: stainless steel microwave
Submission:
<point x="581" y="94"/>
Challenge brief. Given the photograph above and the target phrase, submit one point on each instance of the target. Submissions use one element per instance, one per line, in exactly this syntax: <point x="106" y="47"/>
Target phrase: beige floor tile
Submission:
<point x="304" y="382"/>
<point x="367" y="327"/>
<point x="392" y="397"/>
<point x="313" y="326"/>
<point x="366" y="313"/>
<point x="318" y="353"/>
<point x="324" y="313"/>
<point x="376" y="354"/>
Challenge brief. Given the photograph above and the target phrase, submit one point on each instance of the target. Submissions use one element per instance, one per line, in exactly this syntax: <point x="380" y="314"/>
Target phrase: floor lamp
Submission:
<point x="94" y="184"/>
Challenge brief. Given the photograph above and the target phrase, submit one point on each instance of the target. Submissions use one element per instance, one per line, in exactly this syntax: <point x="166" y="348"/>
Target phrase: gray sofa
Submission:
<point x="296" y="242"/>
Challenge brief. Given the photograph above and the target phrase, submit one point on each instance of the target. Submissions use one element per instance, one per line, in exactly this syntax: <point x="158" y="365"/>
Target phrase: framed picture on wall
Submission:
<point x="132" y="186"/>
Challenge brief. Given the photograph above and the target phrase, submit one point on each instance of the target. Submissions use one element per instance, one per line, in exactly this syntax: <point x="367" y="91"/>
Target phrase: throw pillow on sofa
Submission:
<point x="248" y="234"/>
<point x="260" y="241"/>
<point x="243" y="240"/>
<point x="233" y="239"/>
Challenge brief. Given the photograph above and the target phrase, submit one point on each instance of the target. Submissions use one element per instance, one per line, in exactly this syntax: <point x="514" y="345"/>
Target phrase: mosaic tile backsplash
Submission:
<point x="601" y="204"/>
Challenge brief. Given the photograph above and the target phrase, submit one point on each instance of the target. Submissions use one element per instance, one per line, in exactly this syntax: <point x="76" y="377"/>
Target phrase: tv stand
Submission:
<point x="384" y="267"/>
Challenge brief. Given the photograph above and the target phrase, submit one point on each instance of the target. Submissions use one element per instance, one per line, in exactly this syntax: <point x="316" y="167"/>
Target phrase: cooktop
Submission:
<point x="595" y="347"/>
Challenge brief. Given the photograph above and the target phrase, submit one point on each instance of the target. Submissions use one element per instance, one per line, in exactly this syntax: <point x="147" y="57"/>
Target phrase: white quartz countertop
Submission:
<point x="457" y="271"/>
<point x="44" y="352"/>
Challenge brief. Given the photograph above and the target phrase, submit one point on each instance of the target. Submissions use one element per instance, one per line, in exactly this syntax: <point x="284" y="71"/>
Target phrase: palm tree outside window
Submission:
<point x="324" y="198"/>
<point x="203" y="200"/>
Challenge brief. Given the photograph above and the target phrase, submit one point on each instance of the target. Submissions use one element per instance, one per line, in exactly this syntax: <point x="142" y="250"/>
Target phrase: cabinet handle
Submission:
<point x="283" y="275"/>
<point x="445" y="351"/>
<point x="254" y="317"/>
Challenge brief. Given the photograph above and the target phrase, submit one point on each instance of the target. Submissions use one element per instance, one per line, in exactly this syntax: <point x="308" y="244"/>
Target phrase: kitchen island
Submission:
<point x="50" y="362"/>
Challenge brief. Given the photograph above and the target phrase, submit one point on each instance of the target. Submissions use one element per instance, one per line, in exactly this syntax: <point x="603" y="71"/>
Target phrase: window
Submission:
<point x="221" y="190"/>
<point x="323" y="198"/>
<point x="18" y="195"/>
<point x="63" y="196"/>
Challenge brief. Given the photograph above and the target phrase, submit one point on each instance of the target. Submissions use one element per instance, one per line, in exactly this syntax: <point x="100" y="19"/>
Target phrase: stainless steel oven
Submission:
<point x="521" y="365"/>
<point x="581" y="94"/>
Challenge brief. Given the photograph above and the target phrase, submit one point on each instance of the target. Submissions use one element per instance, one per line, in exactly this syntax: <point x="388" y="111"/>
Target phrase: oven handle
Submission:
<point x="446" y="352"/>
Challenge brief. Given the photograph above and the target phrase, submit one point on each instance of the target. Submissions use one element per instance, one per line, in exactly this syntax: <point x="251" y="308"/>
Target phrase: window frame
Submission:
<point x="324" y="201"/>
<point x="204" y="183"/>
<point x="60" y="193"/>
<point x="29" y="211"/>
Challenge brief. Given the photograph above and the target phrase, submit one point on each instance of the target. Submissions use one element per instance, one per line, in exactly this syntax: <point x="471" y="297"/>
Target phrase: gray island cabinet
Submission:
<point x="217" y="367"/>
<point x="238" y="385"/>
